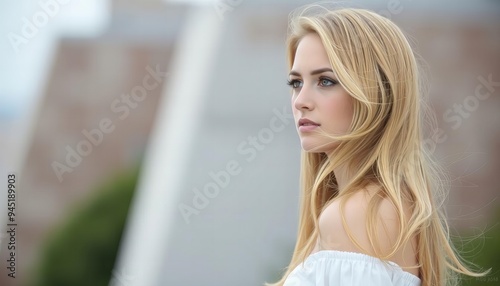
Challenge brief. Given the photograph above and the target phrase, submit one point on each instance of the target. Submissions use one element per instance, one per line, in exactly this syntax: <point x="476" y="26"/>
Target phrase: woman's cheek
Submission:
<point x="340" y="114"/>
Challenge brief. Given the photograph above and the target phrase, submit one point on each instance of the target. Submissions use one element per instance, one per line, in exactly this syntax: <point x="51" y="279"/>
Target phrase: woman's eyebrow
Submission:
<point x="318" y="71"/>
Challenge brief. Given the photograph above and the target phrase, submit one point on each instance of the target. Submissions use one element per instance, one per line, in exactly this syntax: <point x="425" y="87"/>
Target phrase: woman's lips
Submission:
<point x="307" y="125"/>
<point x="307" y="128"/>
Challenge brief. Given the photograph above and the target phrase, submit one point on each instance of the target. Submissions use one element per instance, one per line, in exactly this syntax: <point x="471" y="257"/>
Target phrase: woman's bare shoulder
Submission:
<point x="355" y="210"/>
<point x="333" y="233"/>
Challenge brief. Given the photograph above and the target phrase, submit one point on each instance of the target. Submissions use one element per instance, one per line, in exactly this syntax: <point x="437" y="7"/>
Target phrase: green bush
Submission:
<point x="484" y="253"/>
<point x="82" y="251"/>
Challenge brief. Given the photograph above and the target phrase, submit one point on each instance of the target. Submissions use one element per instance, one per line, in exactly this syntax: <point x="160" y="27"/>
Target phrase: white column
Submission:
<point x="149" y="225"/>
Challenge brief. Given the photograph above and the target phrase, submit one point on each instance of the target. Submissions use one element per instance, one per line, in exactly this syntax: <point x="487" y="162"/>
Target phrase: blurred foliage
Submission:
<point x="82" y="251"/>
<point x="483" y="251"/>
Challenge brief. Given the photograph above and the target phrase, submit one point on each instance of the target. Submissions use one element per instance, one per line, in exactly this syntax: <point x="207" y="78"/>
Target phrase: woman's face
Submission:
<point x="318" y="101"/>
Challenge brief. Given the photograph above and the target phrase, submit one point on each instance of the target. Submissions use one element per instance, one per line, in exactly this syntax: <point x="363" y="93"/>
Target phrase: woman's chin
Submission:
<point x="317" y="147"/>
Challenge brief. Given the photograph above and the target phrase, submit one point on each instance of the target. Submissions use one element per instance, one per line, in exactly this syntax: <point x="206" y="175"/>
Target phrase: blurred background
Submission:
<point x="152" y="142"/>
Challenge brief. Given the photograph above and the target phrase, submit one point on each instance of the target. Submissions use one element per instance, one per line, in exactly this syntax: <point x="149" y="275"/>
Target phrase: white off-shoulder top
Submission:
<point x="340" y="268"/>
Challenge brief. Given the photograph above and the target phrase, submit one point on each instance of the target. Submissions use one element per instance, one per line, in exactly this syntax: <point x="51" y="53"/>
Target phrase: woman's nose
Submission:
<point x="303" y="101"/>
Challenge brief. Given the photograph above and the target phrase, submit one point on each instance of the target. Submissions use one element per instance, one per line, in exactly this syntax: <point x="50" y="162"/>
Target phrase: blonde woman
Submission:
<point x="370" y="197"/>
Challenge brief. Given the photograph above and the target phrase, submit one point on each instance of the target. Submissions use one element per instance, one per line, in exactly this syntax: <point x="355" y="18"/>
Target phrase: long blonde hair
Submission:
<point x="375" y="64"/>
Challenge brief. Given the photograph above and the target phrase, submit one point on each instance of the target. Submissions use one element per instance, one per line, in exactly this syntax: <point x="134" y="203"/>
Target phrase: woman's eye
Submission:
<point x="294" y="83"/>
<point x="326" y="82"/>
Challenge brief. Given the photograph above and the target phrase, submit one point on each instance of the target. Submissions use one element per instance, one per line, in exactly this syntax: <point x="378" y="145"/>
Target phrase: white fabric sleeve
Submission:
<point x="339" y="268"/>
